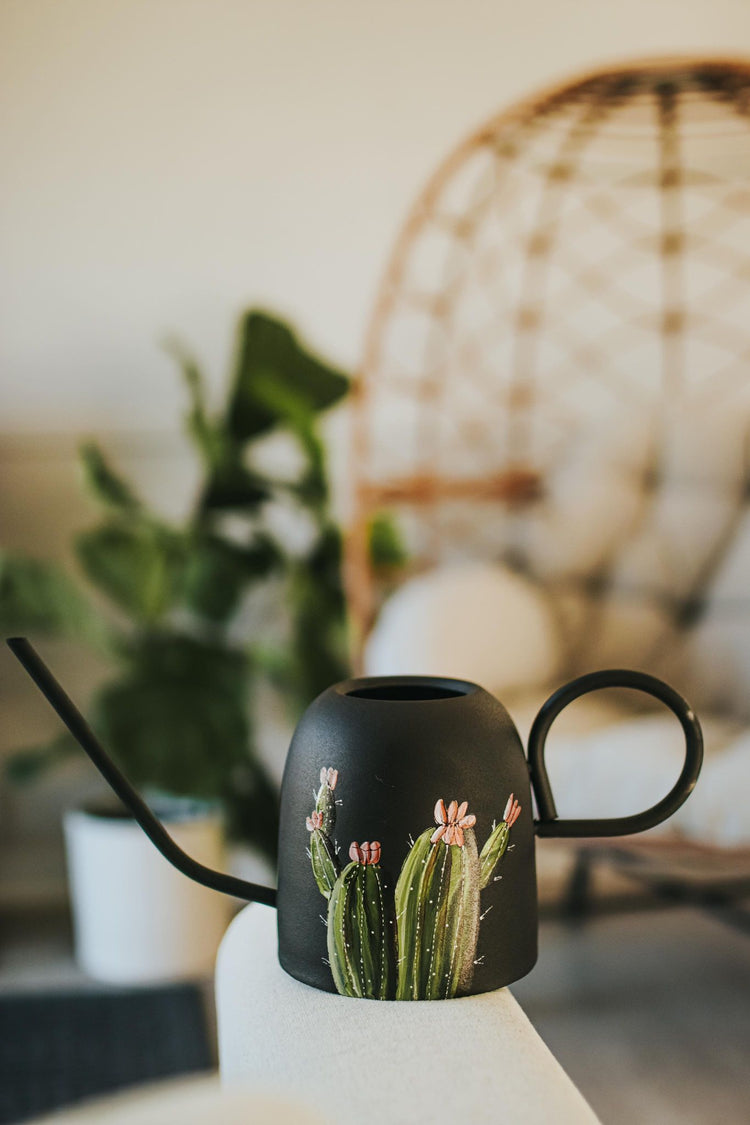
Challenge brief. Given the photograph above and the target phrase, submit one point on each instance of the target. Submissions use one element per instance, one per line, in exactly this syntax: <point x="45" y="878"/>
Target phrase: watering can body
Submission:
<point x="396" y="748"/>
<point x="407" y="836"/>
<point x="406" y="842"/>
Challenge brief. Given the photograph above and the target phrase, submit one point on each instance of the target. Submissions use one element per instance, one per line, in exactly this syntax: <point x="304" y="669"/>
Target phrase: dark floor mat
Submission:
<point x="57" y="1049"/>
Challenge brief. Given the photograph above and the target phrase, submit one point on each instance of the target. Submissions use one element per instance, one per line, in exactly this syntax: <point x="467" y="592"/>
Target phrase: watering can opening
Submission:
<point x="410" y="693"/>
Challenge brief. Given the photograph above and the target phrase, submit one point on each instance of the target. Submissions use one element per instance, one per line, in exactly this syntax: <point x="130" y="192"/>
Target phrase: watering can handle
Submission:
<point x="548" y="824"/>
<point x="154" y="829"/>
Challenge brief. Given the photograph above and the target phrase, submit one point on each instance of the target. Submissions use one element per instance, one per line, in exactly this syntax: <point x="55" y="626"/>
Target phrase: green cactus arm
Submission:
<point x="382" y="930"/>
<point x="437" y="933"/>
<point x="437" y="907"/>
<point x="493" y="851"/>
<point x="325" y="865"/>
<point x="341" y="954"/>
<point x="464" y="917"/>
<point x="452" y="911"/>
<point x="371" y="935"/>
<point x="360" y="937"/>
<point x="368" y="959"/>
<point x="410" y="915"/>
<point x="325" y="803"/>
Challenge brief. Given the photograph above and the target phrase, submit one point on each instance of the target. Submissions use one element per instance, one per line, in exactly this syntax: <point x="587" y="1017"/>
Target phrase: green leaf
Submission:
<point x="202" y="430"/>
<point x="233" y="487"/>
<point x="269" y="354"/>
<point x="177" y="720"/>
<point x="38" y="597"/>
<point x="318" y="649"/>
<point x="291" y="409"/>
<point x="312" y="487"/>
<point x="103" y="481"/>
<point x="176" y="717"/>
<point x="253" y="808"/>
<point x="141" y="568"/>
<point x="25" y="766"/>
<point x="287" y="403"/>
<point x="385" y="543"/>
<point x="219" y="571"/>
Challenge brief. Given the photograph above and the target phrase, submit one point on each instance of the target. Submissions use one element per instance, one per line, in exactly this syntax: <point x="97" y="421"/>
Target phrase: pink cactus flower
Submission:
<point x="512" y="811"/>
<point x="314" y="820"/>
<point x="451" y="822"/>
<point x="365" y="853"/>
<point x="329" y="777"/>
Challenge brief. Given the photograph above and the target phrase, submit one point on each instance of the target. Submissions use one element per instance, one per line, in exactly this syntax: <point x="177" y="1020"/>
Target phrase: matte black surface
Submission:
<point x="58" y="1049"/>
<point x="399" y="744"/>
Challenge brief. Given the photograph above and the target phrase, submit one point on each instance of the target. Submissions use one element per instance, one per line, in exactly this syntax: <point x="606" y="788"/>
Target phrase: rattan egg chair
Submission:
<point x="556" y="378"/>
<point x="563" y="327"/>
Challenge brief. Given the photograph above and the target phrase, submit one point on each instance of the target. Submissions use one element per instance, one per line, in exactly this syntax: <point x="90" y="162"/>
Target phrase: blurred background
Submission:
<point x="209" y="386"/>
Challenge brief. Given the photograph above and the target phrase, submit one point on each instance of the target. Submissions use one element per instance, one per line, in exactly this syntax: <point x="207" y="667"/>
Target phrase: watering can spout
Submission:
<point x="154" y="829"/>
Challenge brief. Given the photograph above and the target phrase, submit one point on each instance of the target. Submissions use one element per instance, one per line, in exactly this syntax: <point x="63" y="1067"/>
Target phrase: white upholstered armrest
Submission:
<point x="361" y="1062"/>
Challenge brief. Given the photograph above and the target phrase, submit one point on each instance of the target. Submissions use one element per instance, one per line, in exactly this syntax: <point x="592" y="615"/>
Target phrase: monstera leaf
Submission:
<point x="269" y="354"/>
<point x="103" y="482"/>
<point x="176" y="719"/>
<point x="219" y="571"/>
<point x="140" y="566"/>
<point x="38" y="597"/>
<point x="231" y="486"/>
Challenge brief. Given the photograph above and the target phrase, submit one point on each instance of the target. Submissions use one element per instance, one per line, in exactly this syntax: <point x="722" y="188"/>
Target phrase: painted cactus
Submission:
<point x="360" y="927"/>
<point x="437" y="907"/>
<point x="360" y="918"/>
<point x="321" y="824"/>
<point x="437" y="903"/>
<point x="497" y="842"/>
<point x="325" y="801"/>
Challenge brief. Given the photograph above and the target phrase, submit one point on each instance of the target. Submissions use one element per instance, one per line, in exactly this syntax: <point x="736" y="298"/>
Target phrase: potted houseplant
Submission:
<point x="176" y="709"/>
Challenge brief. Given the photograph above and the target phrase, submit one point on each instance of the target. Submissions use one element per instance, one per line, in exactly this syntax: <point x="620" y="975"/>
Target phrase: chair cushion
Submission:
<point x="627" y="766"/>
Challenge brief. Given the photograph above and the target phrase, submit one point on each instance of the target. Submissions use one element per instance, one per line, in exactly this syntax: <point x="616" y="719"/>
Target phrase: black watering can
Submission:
<point x="406" y="826"/>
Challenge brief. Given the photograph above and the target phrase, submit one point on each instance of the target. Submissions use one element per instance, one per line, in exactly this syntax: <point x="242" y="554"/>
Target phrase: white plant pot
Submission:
<point x="136" y="919"/>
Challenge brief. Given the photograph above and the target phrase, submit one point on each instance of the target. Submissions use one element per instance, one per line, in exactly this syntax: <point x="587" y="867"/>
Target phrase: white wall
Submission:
<point x="165" y="163"/>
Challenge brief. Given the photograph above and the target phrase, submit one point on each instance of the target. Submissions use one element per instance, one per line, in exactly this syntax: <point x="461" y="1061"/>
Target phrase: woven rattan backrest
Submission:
<point x="567" y="310"/>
